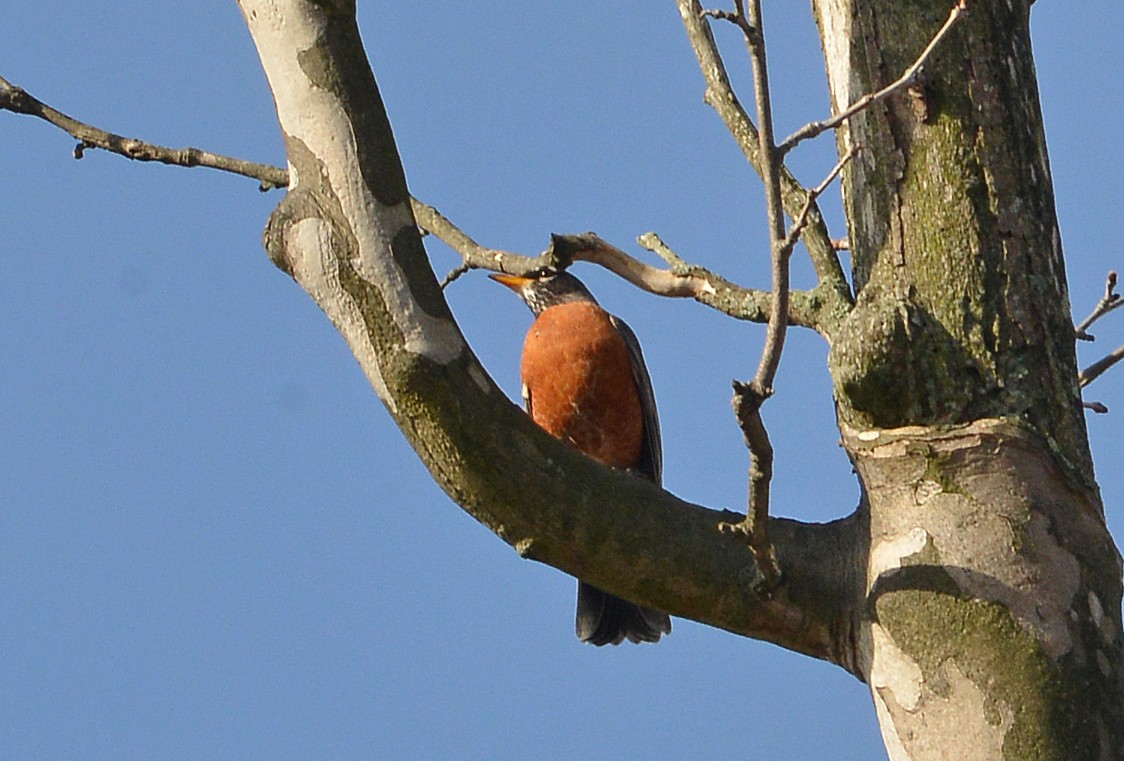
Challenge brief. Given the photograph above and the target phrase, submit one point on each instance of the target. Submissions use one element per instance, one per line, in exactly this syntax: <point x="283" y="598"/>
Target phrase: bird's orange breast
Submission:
<point x="579" y="378"/>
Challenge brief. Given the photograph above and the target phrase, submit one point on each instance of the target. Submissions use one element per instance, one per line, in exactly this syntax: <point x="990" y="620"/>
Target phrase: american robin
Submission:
<point x="584" y="381"/>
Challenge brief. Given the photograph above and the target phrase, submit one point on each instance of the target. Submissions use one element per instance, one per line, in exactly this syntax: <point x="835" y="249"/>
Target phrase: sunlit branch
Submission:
<point x="908" y="78"/>
<point x="19" y="101"/>
<point x="1110" y="301"/>
<point x="721" y="97"/>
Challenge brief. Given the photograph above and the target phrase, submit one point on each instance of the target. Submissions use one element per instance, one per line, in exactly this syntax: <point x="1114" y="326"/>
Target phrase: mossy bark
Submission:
<point x="976" y="589"/>
<point x="991" y="615"/>
<point x="962" y="305"/>
<point x="346" y="234"/>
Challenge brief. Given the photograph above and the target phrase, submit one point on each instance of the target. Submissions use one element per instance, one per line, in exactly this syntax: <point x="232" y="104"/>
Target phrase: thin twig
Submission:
<point x="654" y="243"/>
<point x="19" y="101"/>
<point x="737" y="17"/>
<point x="1096" y="407"/>
<point x="454" y="275"/>
<point x="721" y="97"/>
<point x="910" y="77"/>
<point x="748" y="397"/>
<point x="1095" y="370"/>
<point x="1111" y="300"/>
<point x="762" y="382"/>
<point x="681" y="280"/>
<point x="816" y="192"/>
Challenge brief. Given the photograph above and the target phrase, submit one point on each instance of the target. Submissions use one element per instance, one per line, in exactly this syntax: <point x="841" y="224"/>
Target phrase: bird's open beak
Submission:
<point x="514" y="282"/>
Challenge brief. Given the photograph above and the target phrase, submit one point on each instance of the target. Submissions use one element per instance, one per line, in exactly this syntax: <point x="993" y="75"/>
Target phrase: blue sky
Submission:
<point x="213" y="541"/>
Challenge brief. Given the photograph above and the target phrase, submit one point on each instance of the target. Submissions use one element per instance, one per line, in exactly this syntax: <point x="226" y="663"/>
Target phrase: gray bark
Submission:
<point x="976" y="588"/>
<point x="990" y="622"/>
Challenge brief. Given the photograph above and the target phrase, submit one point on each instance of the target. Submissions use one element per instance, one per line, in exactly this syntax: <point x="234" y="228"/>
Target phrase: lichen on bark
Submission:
<point x="962" y="310"/>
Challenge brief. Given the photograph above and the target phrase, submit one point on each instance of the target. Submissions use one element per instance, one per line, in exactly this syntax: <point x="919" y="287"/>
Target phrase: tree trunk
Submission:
<point x="990" y="617"/>
<point x="976" y="589"/>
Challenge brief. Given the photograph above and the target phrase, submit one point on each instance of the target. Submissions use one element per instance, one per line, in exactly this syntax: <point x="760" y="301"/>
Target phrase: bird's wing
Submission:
<point x="651" y="457"/>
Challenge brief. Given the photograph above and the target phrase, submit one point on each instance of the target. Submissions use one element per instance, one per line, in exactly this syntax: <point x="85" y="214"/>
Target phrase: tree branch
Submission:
<point x="348" y="236"/>
<point x="1110" y="301"/>
<point x="816" y="192"/>
<point x="910" y="77"/>
<point x="721" y="97"/>
<point x="774" y="208"/>
<point x="681" y="280"/>
<point x="19" y="101"/>
<point x="1095" y="370"/>
<point x="748" y="398"/>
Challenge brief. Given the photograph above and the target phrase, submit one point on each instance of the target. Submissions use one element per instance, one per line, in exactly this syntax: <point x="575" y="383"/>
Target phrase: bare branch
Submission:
<point x="747" y="409"/>
<point x="908" y="78"/>
<point x="816" y="192"/>
<point x="19" y="101"/>
<point x="805" y="308"/>
<point x="721" y="97"/>
<point x="652" y="242"/>
<point x="1096" y="407"/>
<point x="679" y="280"/>
<point x="737" y="17"/>
<point x="454" y="275"/>
<point x="762" y="382"/>
<point x="682" y="280"/>
<point x="748" y="397"/>
<point x="1110" y="301"/>
<point x="1095" y="370"/>
<point x="762" y="151"/>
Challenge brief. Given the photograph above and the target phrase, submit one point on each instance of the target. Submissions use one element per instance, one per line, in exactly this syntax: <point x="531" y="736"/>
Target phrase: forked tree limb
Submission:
<point x="679" y="280"/>
<point x="748" y="397"/>
<point x="720" y="96"/>
<point x="1109" y="301"/>
<point x="347" y="235"/>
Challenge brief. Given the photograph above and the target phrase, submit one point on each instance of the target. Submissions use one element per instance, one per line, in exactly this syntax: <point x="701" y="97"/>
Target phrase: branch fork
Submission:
<point x="1109" y="302"/>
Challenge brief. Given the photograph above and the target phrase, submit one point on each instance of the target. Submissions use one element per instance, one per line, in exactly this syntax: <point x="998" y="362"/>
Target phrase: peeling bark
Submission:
<point x="980" y="628"/>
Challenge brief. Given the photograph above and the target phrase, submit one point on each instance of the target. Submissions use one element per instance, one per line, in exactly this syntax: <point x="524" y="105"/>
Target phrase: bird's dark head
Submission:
<point x="546" y="288"/>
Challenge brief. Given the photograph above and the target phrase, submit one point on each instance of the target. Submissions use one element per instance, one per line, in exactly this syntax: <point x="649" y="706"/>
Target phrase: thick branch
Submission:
<point x="346" y="233"/>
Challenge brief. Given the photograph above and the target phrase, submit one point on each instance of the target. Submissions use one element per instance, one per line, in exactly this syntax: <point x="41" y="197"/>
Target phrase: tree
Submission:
<point x="862" y="408"/>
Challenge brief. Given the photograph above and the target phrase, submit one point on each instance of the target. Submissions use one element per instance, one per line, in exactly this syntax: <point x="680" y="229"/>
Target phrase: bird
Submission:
<point x="585" y="382"/>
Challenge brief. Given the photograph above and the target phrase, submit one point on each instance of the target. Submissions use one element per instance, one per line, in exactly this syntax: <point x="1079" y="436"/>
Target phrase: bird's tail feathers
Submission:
<point x="604" y="619"/>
